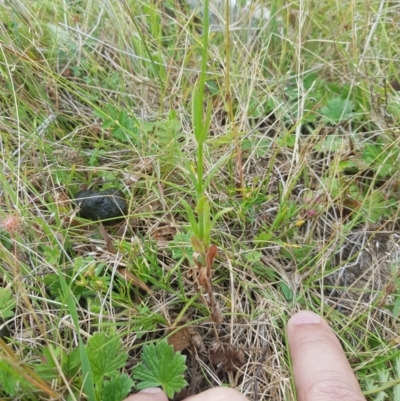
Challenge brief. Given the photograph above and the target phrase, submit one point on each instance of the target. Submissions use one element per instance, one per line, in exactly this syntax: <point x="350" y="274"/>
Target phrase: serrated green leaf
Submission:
<point x="161" y="366"/>
<point x="119" y="133"/>
<point x="71" y="363"/>
<point x="263" y="238"/>
<point x="331" y="143"/>
<point x="117" y="388"/>
<point x="106" y="355"/>
<point x="181" y="247"/>
<point x="9" y="379"/>
<point x="337" y="110"/>
<point x="7" y="303"/>
<point x="46" y="372"/>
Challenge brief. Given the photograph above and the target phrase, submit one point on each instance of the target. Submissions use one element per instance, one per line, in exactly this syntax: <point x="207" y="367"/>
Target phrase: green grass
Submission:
<point x="274" y="141"/>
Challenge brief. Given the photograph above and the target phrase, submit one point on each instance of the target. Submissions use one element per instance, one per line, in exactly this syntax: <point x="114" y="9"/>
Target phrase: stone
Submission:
<point x="108" y="205"/>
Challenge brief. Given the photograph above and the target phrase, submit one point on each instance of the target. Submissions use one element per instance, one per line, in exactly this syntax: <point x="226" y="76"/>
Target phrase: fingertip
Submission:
<point x="218" y="394"/>
<point x="306" y="325"/>
<point x="304" y="317"/>
<point x="149" y="394"/>
<point x="151" y="390"/>
<point x="320" y="367"/>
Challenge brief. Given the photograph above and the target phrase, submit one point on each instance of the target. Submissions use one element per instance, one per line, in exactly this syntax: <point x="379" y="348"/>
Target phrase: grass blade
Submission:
<point x="88" y="383"/>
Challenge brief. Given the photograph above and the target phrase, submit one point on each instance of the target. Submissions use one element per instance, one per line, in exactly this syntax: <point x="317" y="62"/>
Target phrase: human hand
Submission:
<point x="320" y="368"/>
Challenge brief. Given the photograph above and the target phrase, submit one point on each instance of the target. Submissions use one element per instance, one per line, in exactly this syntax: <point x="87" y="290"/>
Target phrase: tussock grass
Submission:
<point x="99" y="94"/>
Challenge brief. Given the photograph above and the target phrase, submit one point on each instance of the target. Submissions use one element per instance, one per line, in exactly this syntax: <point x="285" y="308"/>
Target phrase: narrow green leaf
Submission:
<point x="207" y="121"/>
<point x="219" y="215"/>
<point x="200" y="212"/>
<point x="214" y="169"/>
<point x="197" y="245"/>
<point x="190" y="171"/>
<point x="287" y="292"/>
<point x="191" y="217"/>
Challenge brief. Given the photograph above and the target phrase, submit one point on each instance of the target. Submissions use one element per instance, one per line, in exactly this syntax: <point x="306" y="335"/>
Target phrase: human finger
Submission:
<point x="320" y="367"/>
<point x="149" y="394"/>
<point x="218" y="394"/>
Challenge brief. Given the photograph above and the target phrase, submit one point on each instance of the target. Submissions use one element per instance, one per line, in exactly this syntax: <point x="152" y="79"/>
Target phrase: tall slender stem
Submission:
<point x="199" y="170"/>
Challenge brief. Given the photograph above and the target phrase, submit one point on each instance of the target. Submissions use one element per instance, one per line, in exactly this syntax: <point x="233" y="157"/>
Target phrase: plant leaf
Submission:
<point x="106" y="355"/>
<point x="219" y="215"/>
<point x="161" y="366"/>
<point x="117" y="388"/>
<point x="85" y="363"/>
<point x="214" y="169"/>
<point x="7" y="303"/>
<point x="71" y="363"/>
<point x="191" y="217"/>
<point x="337" y="110"/>
<point x="181" y="247"/>
<point x="9" y="378"/>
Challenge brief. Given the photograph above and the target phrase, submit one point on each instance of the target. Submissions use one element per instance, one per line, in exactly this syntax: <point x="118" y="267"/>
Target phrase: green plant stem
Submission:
<point x="200" y="212"/>
<point x="184" y="309"/>
<point x="201" y="130"/>
<point x="200" y="155"/>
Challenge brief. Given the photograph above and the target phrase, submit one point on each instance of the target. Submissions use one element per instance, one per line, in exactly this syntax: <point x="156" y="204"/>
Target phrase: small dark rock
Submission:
<point x="395" y="84"/>
<point x="109" y="205"/>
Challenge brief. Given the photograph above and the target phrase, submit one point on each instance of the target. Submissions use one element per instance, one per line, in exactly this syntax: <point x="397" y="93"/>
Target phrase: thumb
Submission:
<point x="321" y="370"/>
<point x="149" y="394"/>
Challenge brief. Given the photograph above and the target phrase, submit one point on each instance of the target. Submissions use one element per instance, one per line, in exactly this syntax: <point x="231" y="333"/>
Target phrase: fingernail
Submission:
<point x="151" y="390"/>
<point x="305" y="317"/>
